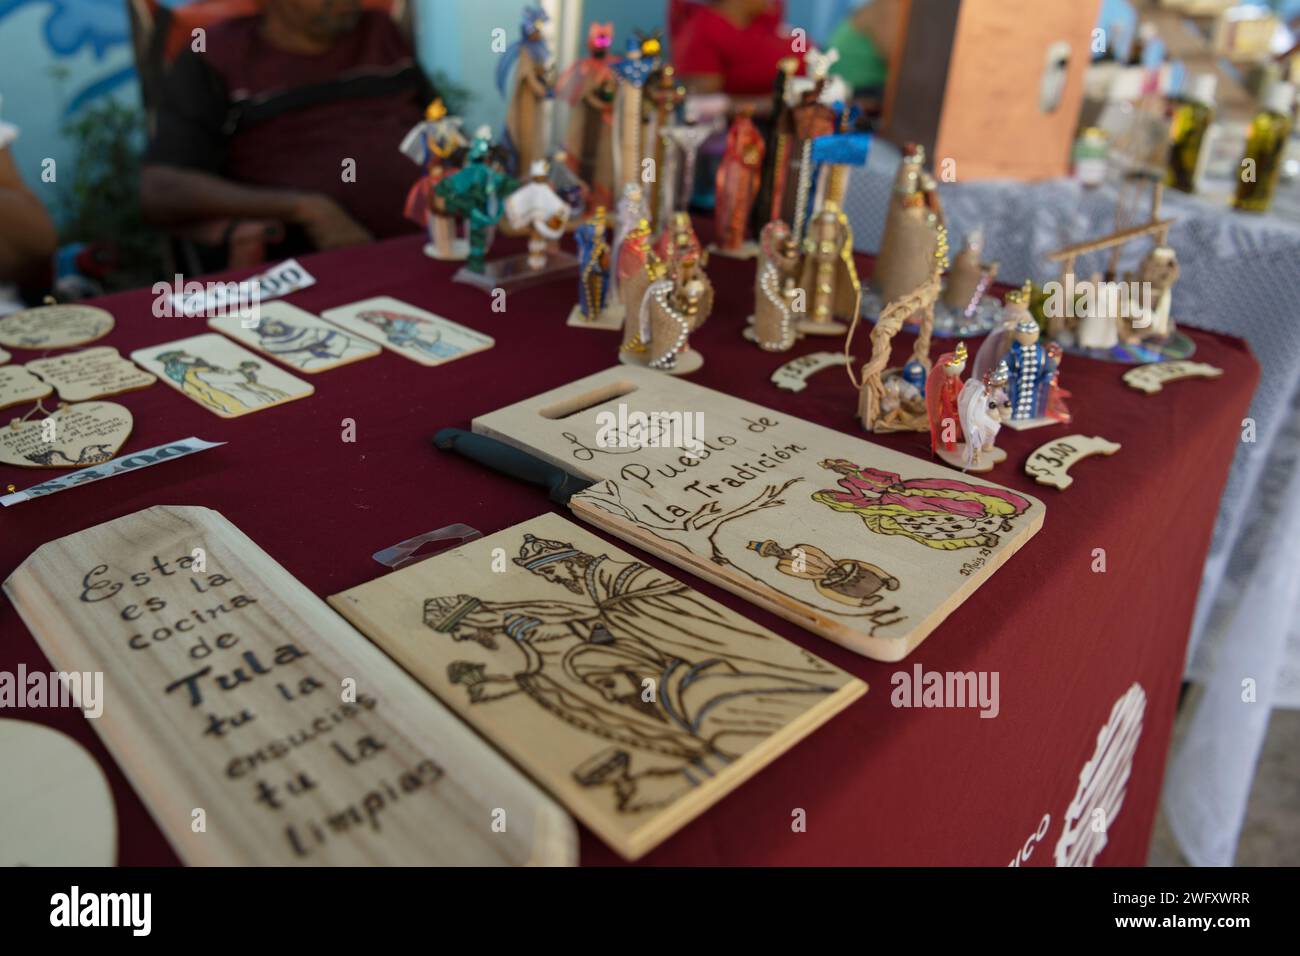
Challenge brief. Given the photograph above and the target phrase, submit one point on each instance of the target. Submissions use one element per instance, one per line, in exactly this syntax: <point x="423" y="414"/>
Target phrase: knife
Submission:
<point x="506" y="459"/>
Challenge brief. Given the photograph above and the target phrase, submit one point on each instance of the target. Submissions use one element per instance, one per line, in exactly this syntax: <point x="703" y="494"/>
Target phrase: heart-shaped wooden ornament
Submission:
<point x="74" y="436"/>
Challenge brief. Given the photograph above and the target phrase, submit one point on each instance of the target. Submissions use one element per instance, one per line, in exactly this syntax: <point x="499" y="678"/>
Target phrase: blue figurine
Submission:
<point x="1029" y="367"/>
<point x="914" y="374"/>
<point x="525" y="136"/>
<point x="593" y="254"/>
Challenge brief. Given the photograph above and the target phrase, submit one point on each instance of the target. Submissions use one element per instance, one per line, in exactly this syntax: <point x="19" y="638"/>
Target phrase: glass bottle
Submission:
<point x="1265" y="144"/>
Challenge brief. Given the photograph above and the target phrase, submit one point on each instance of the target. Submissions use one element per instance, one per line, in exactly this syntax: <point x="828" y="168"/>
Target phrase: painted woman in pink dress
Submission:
<point x="942" y="513"/>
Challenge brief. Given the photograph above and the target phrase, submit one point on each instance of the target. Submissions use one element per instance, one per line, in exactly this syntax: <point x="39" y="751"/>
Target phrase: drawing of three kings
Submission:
<point x="636" y="658"/>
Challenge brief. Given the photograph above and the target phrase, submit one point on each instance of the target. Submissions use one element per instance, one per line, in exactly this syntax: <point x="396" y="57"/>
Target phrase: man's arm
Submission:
<point x="27" y="235"/>
<point x="180" y="184"/>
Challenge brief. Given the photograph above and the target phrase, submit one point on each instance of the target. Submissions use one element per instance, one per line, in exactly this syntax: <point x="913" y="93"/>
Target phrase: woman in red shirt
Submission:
<point x="729" y="46"/>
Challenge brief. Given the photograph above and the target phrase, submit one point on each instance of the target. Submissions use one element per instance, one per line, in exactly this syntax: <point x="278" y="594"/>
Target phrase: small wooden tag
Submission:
<point x="1051" y="462"/>
<point x="1151" y="378"/>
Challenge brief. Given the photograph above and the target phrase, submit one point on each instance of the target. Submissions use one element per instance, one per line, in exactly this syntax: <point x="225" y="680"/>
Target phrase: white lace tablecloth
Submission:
<point x="1241" y="276"/>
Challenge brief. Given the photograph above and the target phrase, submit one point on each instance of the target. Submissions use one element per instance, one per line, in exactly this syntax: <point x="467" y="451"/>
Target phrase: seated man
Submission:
<point x="293" y="116"/>
<point x="27" y="236"/>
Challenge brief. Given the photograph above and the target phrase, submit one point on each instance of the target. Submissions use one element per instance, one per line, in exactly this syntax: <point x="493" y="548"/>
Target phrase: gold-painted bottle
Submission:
<point x="1265" y="145"/>
<point x="1191" y="120"/>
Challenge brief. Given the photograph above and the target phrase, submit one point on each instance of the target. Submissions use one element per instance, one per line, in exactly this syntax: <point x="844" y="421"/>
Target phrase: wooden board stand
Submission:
<point x="258" y="726"/>
<point x="865" y="546"/>
<point x="637" y="701"/>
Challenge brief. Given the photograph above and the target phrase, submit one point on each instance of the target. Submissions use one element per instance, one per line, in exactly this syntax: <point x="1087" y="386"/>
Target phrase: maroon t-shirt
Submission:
<point x="256" y="114"/>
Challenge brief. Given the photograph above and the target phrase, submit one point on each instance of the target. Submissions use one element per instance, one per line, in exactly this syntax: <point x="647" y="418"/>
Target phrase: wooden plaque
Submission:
<point x="860" y="544"/>
<point x="257" y="726"/>
<point x="637" y="701"/>
<point x="58" y="326"/>
<point x="90" y="373"/>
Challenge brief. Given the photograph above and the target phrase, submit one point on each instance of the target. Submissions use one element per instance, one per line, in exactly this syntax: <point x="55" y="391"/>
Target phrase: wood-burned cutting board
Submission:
<point x="637" y="701"/>
<point x="860" y="544"/>
<point x="255" y="723"/>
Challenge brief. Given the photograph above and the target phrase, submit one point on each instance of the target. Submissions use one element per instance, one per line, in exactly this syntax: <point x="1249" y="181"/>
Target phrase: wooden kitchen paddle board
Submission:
<point x="858" y="543"/>
<point x="637" y="701"/>
<point x="257" y="725"/>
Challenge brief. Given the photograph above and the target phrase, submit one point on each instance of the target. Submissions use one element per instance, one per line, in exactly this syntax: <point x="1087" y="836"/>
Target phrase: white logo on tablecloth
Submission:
<point x="1103" y="782"/>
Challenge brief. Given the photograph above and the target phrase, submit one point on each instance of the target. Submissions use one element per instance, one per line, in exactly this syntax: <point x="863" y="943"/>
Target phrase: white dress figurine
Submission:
<point x="536" y="207"/>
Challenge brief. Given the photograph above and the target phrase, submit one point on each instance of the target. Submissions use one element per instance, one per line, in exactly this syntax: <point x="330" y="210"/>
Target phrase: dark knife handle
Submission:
<point x="508" y="460"/>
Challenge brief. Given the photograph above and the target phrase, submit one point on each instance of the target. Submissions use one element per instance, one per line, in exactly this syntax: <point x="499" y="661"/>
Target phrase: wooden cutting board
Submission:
<point x="257" y="725"/>
<point x="860" y="544"/>
<point x="636" y="700"/>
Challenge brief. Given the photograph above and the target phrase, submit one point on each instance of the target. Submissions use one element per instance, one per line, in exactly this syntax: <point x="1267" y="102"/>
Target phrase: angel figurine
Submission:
<point x="983" y="406"/>
<point x="589" y="86"/>
<point x="776" y="292"/>
<point x="593" y="278"/>
<point x="525" y="138"/>
<point x="942" y="390"/>
<point x="830" y="276"/>
<point x="433" y="143"/>
<point x="474" y="193"/>
<point x="672" y="309"/>
<point x="737" y="185"/>
<point x="536" y="208"/>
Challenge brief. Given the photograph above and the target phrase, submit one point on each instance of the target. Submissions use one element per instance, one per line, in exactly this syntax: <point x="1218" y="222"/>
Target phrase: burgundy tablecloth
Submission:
<point x="878" y="785"/>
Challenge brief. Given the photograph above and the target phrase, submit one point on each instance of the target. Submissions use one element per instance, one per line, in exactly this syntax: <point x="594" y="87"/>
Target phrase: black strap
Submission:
<point x="250" y="110"/>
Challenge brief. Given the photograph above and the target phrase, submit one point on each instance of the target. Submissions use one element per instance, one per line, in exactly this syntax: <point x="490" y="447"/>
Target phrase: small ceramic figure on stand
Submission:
<point x="966" y="307"/>
<point x="593" y="310"/>
<point x="433" y="143"/>
<point x="941" y="401"/>
<point x="911" y="233"/>
<point x="677" y="238"/>
<point x="830" y="275"/>
<point x="632" y="71"/>
<point x="536" y="209"/>
<point x="983" y="407"/>
<point x="1031" y="371"/>
<point x="808" y="119"/>
<point x="663" y="95"/>
<point x="525" y="138"/>
<point x="776" y="293"/>
<point x="475" y="194"/>
<point x="764" y="212"/>
<point x="737" y="186"/>
<point x="672" y="309"/>
<point x="589" y="87"/>
<point x="630" y="213"/>
<point x="1056" y="396"/>
<point x="1158" y="272"/>
<point x="679" y="176"/>
<point x="636" y="266"/>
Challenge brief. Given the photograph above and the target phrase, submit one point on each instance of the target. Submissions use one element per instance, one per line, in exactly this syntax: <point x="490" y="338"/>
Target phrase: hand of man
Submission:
<point x="327" y="224"/>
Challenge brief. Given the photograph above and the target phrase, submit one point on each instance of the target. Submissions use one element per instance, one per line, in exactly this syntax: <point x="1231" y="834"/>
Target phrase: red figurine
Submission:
<point x="737" y="182"/>
<point x="941" y="391"/>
